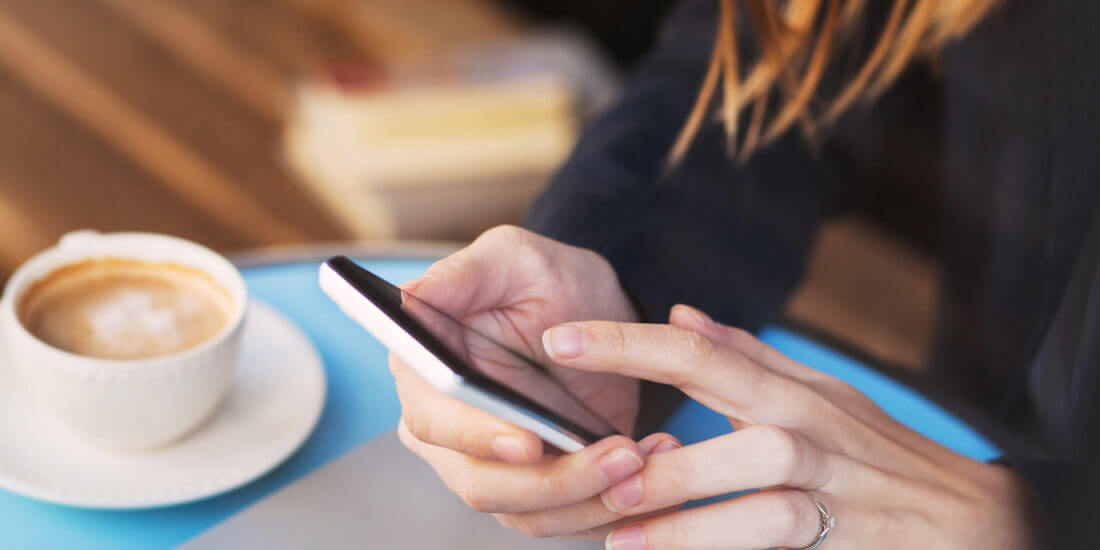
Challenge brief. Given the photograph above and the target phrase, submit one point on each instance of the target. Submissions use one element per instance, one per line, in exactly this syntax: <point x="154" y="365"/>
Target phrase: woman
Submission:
<point x="993" y="105"/>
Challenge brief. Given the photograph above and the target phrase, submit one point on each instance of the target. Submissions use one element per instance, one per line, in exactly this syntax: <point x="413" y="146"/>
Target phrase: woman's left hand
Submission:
<point x="799" y="433"/>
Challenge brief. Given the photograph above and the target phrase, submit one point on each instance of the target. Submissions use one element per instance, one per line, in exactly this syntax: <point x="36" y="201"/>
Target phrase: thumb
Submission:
<point x="480" y="277"/>
<point x="458" y="285"/>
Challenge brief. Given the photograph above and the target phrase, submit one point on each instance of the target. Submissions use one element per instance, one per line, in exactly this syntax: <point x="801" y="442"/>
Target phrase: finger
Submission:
<point x="441" y="420"/>
<point x="602" y="531"/>
<point x="588" y="516"/>
<point x="489" y="486"/>
<point x="765" y="519"/>
<point x="717" y="376"/>
<point x="457" y="285"/>
<point x="658" y="443"/>
<point x="660" y="353"/>
<point x="597" y="532"/>
<point x="742" y="341"/>
<point x="830" y="387"/>
<point x="759" y="456"/>
<point x="476" y="278"/>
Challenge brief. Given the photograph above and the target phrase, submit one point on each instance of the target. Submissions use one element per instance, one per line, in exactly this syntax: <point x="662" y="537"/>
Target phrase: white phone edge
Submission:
<point x="431" y="368"/>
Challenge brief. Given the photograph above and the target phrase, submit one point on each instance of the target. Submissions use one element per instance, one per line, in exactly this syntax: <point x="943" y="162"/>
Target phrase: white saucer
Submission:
<point x="272" y="407"/>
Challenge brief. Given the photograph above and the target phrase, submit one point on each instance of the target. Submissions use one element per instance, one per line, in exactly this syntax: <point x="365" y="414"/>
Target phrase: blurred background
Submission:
<point x="256" y="123"/>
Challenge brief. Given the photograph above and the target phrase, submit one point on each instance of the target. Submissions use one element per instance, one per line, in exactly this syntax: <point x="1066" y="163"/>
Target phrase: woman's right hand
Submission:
<point x="511" y="285"/>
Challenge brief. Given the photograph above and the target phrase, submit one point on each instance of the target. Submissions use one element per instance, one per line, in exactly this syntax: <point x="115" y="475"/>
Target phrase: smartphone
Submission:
<point x="461" y="362"/>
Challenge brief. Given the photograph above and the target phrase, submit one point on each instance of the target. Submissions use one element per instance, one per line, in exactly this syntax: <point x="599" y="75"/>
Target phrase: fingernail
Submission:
<point x="650" y="446"/>
<point x="618" y="464"/>
<point x="563" y="342"/>
<point x="647" y="446"/>
<point x="627" y="538"/>
<point x="663" y="446"/>
<point x="699" y="316"/>
<point x="510" y="449"/>
<point x="411" y="284"/>
<point x="627" y="494"/>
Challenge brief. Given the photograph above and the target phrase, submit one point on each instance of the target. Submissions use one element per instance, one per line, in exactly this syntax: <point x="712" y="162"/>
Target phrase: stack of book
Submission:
<point x="444" y="149"/>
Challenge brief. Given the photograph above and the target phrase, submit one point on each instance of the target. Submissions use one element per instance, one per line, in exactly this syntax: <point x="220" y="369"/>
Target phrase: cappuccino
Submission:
<point x="114" y="308"/>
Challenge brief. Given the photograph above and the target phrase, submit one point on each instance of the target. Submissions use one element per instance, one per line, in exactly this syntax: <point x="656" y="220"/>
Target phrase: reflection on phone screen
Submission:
<point x="492" y="360"/>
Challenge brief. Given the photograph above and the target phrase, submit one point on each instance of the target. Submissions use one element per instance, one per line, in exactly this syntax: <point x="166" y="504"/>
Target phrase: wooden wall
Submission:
<point x="166" y="115"/>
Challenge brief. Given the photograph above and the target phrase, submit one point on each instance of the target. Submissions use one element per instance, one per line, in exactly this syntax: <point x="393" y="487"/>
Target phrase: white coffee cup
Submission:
<point x="125" y="404"/>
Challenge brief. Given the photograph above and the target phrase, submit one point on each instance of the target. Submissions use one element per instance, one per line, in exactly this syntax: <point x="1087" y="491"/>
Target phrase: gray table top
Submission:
<point x="379" y="495"/>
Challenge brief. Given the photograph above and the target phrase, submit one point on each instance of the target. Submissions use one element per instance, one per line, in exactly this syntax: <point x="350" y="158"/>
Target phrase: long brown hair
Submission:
<point x="796" y="42"/>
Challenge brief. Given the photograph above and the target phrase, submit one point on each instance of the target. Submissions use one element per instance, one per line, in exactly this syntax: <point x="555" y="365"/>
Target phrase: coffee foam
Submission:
<point x="125" y="309"/>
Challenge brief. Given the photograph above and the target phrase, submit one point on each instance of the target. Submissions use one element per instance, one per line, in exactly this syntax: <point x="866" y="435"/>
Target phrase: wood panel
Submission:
<point x="870" y="290"/>
<point x="136" y="96"/>
<point x="292" y="39"/>
<point x="56" y="177"/>
<point x="167" y="115"/>
<point x="195" y="42"/>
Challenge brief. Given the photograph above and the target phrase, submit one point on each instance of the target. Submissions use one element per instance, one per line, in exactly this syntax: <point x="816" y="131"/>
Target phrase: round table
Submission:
<point x="362" y="403"/>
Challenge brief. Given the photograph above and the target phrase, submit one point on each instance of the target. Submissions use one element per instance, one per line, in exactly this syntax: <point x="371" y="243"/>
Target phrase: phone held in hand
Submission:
<point x="461" y="362"/>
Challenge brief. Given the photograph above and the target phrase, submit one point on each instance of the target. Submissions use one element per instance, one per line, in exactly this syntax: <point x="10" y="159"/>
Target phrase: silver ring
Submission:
<point x="828" y="523"/>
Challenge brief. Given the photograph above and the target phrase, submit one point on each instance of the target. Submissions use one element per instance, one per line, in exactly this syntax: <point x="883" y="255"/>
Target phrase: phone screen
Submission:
<point x="481" y="361"/>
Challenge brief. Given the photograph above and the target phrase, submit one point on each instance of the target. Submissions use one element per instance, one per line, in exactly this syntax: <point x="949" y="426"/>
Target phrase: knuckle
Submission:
<point x="683" y="474"/>
<point x="605" y="279"/>
<point x="556" y="487"/>
<point x="615" y="339"/>
<point x="596" y="533"/>
<point x="511" y="521"/>
<point x="679" y="537"/>
<point x="598" y="263"/>
<point x="594" y="258"/>
<point x="528" y="524"/>
<point x="538" y="530"/>
<point x="467" y="490"/>
<point x="698" y="347"/>
<point x="786" y="515"/>
<point x="536" y="525"/>
<point x="535" y="252"/>
<point x="505" y="232"/>
<point x="469" y="441"/>
<point x="783" y="451"/>
<point x="418" y="426"/>
<point x="539" y="258"/>
<point x="697" y="352"/>
<point x="475" y="500"/>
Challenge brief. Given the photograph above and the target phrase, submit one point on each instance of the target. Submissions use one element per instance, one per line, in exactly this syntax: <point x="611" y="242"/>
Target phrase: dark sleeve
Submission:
<point x="1064" y="391"/>
<point x="1065" y="488"/>
<point x="728" y="238"/>
<point x="1049" y="482"/>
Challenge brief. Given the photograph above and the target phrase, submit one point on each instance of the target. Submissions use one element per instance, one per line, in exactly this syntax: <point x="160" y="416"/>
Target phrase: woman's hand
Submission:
<point x="800" y="433"/>
<point x="511" y="284"/>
